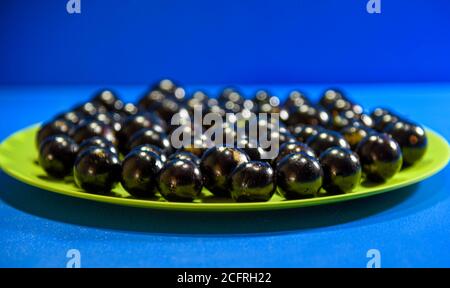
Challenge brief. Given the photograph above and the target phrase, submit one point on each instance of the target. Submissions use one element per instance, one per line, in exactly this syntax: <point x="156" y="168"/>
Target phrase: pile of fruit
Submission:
<point x="324" y="148"/>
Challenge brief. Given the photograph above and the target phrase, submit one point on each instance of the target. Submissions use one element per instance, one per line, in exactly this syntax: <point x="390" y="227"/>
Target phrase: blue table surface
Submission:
<point x="410" y="226"/>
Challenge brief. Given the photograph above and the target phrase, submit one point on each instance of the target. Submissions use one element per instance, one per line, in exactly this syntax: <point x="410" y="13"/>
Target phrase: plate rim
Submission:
<point x="220" y="207"/>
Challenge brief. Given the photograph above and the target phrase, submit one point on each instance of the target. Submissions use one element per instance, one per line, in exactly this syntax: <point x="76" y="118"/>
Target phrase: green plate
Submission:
<point x="18" y="158"/>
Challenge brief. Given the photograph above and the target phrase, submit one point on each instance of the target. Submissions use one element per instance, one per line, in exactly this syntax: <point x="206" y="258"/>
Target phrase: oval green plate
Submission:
<point x="18" y="158"/>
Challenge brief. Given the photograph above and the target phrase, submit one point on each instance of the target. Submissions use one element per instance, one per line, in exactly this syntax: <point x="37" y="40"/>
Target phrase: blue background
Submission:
<point x="50" y="60"/>
<point x="410" y="226"/>
<point x="226" y="42"/>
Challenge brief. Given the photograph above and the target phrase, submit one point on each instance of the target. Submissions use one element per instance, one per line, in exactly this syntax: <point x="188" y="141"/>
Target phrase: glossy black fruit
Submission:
<point x="55" y="127"/>
<point x="265" y="102"/>
<point x="134" y="123"/>
<point x="152" y="148"/>
<point x="112" y="119"/>
<point x="309" y="115"/>
<point x="384" y="121"/>
<point x="97" y="141"/>
<point x="299" y="176"/>
<point x="90" y="108"/>
<point x="254" y="151"/>
<point x="184" y="155"/>
<point x="109" y="100"/>
<point x="380" y="157"/>
<point x="140" y="170"/>
<point x="150" y="136"/>
<point x="303" y="132"/>
<point x="97" y="170"/>
<point x="167" y="108"/>
<point x="252" y="182"/>
<point x="411" y="138"/>
<point x="339" y="106"/>
<point x="216" y="165"/>
<point x="296" y="98"/>
<point x="180" y="180"/>
<point x="91" y="129"/>
<point x="57" y="155"/>
<point x="278" y="138"/>
<point x="71" y="117"/>
<point x="128" y="109"/>
<point x="151" y="100"/>
<point x="169" y="88"/>
<point x="377" y="113"/>
<point x="355" y="134"/>
<point x="198" y="98"/>
<point x="291" y="148"/>
<point x="331" y="96"/>
<point x="340" y="121"/>
<point x="341" y="170"/>
<point x="231" y="95"/>
<point x="325" y="140"/>
<point x="189" y="143"/>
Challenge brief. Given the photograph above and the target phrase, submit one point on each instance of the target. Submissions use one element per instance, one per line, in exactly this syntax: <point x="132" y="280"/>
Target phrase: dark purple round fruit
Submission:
<point x="97" y="141"/>
<point x="198" y="98"/>
<point x="330" y="97"/>
<point x="196" y="149"/>
<point x="265" y="102"/>
<point x="90" y="108"/>
<point x="134" y="123"/>
<point x="378" y="113"/>
<point x="112" y="119"/>
<point x="339" y="106"/>
<point x="129" y="109"/>
<point x="366" y="120"/>
<point x="169" y="88"/>
<point x="341" y="170"/>
<point x="254" y="151"/>
<point x="299" y="176"/>
<point x="150" y="136"/>
<point x="55" y="127"/>
<point x="297" y="99"/>
<point x="291" y="148"/>
<point x="57" y="154"/>
<point x="384" y="121"/>
<point x="309" y="115"/>
<point x="140" y="170"/>
<point x="411" y="138"/>
<point x="339" y="121"/>
<point x="168" y="108"/>
<point x="109" y="100"/>
<point x="180" y="180"/>
<point x="380" y="157"/>
<point x="355" y="134"/>
<point x="230" y="95"/>
<point x="216" y="165"/>
<point x="303" y="132"/>
<point x="279" y="138"/>
<point x="91" y="129"/>
<point x="325" y="140"/>
<point x="184" y="155"/>
<point x="151" y="100"/>
<point x="252" y="182"/>
<point x="97" y="170"/>
<point x="72" y="117"/>
<point x="151" y="148"/>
